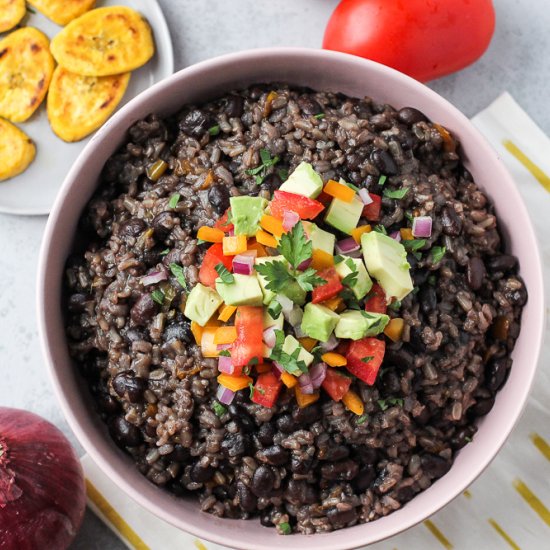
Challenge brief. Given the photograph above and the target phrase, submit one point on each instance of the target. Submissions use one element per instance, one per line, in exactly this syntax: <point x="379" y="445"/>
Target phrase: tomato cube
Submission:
<point x="336" y="384"/>
<point x="372" y="211"/>
<point x="376" y="300"/>
<point x="305" y="207"/>
<point x="328" y="290"/>
<point x="214" y="255"/>
<point x="267" y="389"/>
<point x="223" y="223"/>
<point x="249" y="342"/>
<point x="365" y="357"/>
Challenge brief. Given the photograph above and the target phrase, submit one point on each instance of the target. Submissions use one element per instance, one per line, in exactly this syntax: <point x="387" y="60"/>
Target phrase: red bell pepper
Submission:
<point x="249" y="342"/>
<point x="336" y="384"/>
<point x="372" y="211"/>
<point x="376" y="300"/>
<point x="266" y="389"/>
<point x="365" y="357"/>
<point x="223" y="223"/>
<point x="328" y="290"/>
<point x="306" y="208"/>
<point x="214" y="255"/>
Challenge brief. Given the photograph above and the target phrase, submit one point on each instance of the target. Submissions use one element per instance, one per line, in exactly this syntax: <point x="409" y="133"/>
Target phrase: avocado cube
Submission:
<point x="291" y="344"/>
<point x="319" y="322"/>
<point x="269" y="322"/>
<point x="244" y="291"/>
<point x="355" y="324"/>
<point x="201" y="304"/>
<point x="295" y="292"/>
<point x="386" y="261"/>
<point x="303" y="181"/>
<point x="246" y="213"/>
<point x="363" y="283"/>
<point x="344" y="216"/>
<point x="268" y="294"/>
<point x="322" y="240"/>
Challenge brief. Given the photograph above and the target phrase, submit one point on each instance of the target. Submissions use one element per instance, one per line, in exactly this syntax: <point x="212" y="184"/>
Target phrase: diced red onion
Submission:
<point x="305" y="264"/>
<point x="269" y="337"/>
<point x="294" y="317"/>
<point x="422" y="226"/>
<point x="318" y="373"/>
<point x="278" y="367"/>
<point x="304" y="380"/>
<point x="298" y="332"/>
<point x="225" y="365"/>
<point x="243" y="265"/>
<point x="154" y="277"/>
<point x="252" y="253"/>
<point x="330" y="344"/>
<point x="346" y="246"/>
<point x="290" y="219"/>
<point x="365" y="196"/>
<point x="396" y="235"/>
<point x="231" y="232"/>
<point x="225" y="395"/>
<point x="221" y="347"/>
<point x="286" y="303"/>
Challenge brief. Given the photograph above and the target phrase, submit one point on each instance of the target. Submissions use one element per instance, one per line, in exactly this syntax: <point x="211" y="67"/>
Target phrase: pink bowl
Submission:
<point x="321" y="70"/>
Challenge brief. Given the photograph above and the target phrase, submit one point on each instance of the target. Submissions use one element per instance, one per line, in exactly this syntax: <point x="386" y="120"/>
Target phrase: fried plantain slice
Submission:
<point x="26" y="68"/>
<point x="78" y="105"/>
<point x="62" y="11"/>
<point x="104" y="41"/>
<point x="11" y="12"/>
<point x="17" y="150"/>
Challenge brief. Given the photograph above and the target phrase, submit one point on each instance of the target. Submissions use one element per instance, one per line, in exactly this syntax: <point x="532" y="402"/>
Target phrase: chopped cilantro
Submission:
<point x="274" y="309"/>
<point x="386" y="403"/>
<point x="267" y="162"/>
<point x="251" y="387"/>
<point x="289" y="362"/>
<point x="382" y="180"/>
<point x="319" y="116"/>
<point x="285" y="528"/>
<point x="253" y="362"/>
<point x="215" y="130"/>
<point x="437" y="253"/>
<point x="394" y="306"/>
<point x="177" y="272"/>
<point x="432" y="279"/>
<point x="165" y="251"/>
<point x="367" y="359"/>
<point x="174" y="199"/>
<point x="283" y="174"/>
<point x="351" y="186"/>
<point x="158" y="296"/>
<point x="362" y="419"/>
<point x="295" y="246"/>
<point x="468" y="439"/>
<point x="409" y="216"/>
<point x="219" y="409"/>
<point x="351" y="278"/>
<point x="414" y="245"/>
<point x="338" y="259"/>
<point x="380" y="229"/>
<point x="224" y="274"/>
<point x="225" y="353"/>
<point x="396" y="194"/>
<point x="200" y="241"/>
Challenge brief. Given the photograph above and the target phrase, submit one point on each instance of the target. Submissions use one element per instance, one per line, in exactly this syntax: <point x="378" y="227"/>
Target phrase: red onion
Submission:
<point x="294" y="317"/>
<point x="290" y="219"/>
<point x="298" y="332"/>
<point x="330" y="344"/>
<point x="277" y="373"/>
<point x="42" y="492"/>
<point x="231" y="232"/>
<point x="305" y="383"/>
<point x="396" y="235"/>
<point x="317" y="374"/>
<point x="422" y="226"/>
<point x="269" y="337"/>
<point x="286" y="303"/>
<point x="252" y="253"/>
<point x="346" y="246"/>
<point x="305" y="264"/>
<point x="154" y="277"/>
<point x="225" y="365"/>
<point x="225" y="395"/>
<point x="243" y="265"/>
<point x="278" y="367"/>
<point x="365" y="197"/>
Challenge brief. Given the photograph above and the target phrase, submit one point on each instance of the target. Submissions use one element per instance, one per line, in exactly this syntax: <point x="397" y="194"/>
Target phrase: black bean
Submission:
<point x="124" y="433"/>
<point x="218" y="195"/>
<point x="242" y="418"/>
<point x="262" y="481"/>
<point x="389" y="382"/>
<point x="416" y="341"/>
<point x="495" y="374"/>
<point x="247" y="499"/>
<point x="300" y="465"/>
<point x="265" y="519"/>
<point x="516" y="296"/>
<point x="420" y="276"/>
<point x="179" y="454"/>
<point x="340" y="518"/>
<point x="462" y="437"/>
<point x="276" y="455"/>
<point x="307" y="415"/>
<point x="401" y="358"/>
<point x="150" y="430"/>
<point x="235" y="445"/>
<point x="362" y="109"/>
<point x="475" y="273"/>
<point x="309" y="106"/>
<point x="77" y="302"/>
<point x="286" y="424"/>
<point x="504" y="262"/>
<point x="300" y="492"/>
<point x="107" y="404"/>
<point x="180" y="330"/>
<point x="132" y="227"/>
<point x="451" y="222"/>
<point x="332" y="453"/>
<point x="134" y="334"/>
<point x="151" y="256"/>
<point x="428" y="298"/>
<point x="423" y="417"/>
<point x="195" y="123"/>
<point x="200" y="473"/>
<point x="271" y="182"/>
<point x="265" y="434"/>
<point x="129" y="386"/>
<point x="410" y="116"/>
<point x="364" y="478"/>
<point x="384" y="162"/>
<point x="366" y="454"/>
<point x="345" y="470"/>
<point x="404" y="494"/>
<point x="143" y="310"/>
<point x="234" y="106"/>
<point x="162" y="225"/>
<point x="434" y="466"/>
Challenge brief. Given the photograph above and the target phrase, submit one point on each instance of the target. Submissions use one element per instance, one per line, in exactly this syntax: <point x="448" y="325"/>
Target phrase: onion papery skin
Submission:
<point x="42" y="489"/>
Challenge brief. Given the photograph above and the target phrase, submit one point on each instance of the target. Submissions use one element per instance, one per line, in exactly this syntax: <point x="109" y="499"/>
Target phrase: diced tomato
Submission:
<point x="324" y="198"/>
<point x="214" y="256"/>
<point x="223" y="223"/>
<point x="306" y="208"/>
<point x="266" y="389"/>
<point x="330" y="289"/>
<point x="342" y="347"/>
<point x="249" y="342"/>
<point x="372" y="211"/>
<point x="358" y="356"/>
<point x="376" y="300"/>
<point x="336" y="384"/>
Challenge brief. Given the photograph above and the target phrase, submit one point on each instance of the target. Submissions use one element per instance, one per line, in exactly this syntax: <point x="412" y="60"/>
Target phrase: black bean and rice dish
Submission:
<point x="320" y="467"/>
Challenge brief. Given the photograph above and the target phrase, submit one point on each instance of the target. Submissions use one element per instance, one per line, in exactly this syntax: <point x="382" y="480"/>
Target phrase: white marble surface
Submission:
<point x="518" y="60"/>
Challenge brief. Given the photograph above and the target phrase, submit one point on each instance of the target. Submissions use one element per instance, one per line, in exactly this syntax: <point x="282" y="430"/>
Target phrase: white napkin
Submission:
<point x="509" y="505"/>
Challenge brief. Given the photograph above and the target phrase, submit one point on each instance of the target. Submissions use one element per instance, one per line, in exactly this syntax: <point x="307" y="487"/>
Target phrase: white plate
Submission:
<point x="33" y="192"/>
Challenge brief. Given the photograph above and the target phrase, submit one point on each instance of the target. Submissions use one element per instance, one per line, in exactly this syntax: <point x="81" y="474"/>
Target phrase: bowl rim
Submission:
<point x="336" y="540"/>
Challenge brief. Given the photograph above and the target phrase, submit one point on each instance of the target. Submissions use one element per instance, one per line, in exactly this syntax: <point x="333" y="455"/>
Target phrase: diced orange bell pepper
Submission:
<point x="333" y="303"/>
<point x="209" y="348"/>
<point x="225" y="335"/>
<point x="304" y="399"/>
<point x="339" y="191"/>
<point x="353" y="402"/>
<point x="210" y="234"/>
<point x="226" y="312"/>
<point x="406" y="234"/>
<point x="234" y="245"/>
<point x="288" y="380"/>
<point x="196" y="329"/>
<point x="272" y="224"/>
<point x="307" y="343"/>
<point x="266" y="239"/>
<point x="321" y="260"/>
<point x="394" y="329"/>
<point x="254" y="245"/>
<point x="334" y="359"/>
<point x="358" y="231"/>
<point x="234" y="383"/>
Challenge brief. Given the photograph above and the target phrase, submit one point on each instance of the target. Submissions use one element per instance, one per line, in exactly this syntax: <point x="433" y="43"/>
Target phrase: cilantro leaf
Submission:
<point x="266" y="162"/>
<point x="251" y="387"/>
<point x="224" y="274"/>
<point x="174" y="199"/>
<point x="283" y="174"/>
<point x="382" y="180"/>
<point x="338" y="259"/>
<point x="158" y="296"/>
<point x="285" y="528"/>
<point x="414" y="245"/>
<point x="437" y="253"/>
<point x="276" y="274"/>
<point x="396" y="194"/>
<point x="386" y="403"/>
<point x="351" y="278"/>
<point x="362" y="419"/>
<point x="289" y="362"/>
<point x="309" y="279"/>
<point x="380" y="229"/>
<point x="224" y="353"/>
<point x="215" y="130"/>
<point x="165" y="252"/>
<point x="367" y="359"/>
<point x="319" y="116"/>
<point x="218" y="408"/>
<point x="295" y="247"/>
<point x="394" y="306"/>
<point x="177" y="272"/>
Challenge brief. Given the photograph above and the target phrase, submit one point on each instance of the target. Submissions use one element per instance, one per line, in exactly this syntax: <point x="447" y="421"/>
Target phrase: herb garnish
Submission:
<point x="219" y="409"/>
<point x="165" y="251"/>
<point x="267" y="162"/>
<point x="215" y="130"/>
<point x="274" y="309"/>
<point x="251" y="387"/>
<point x="224" y="353"/>
<point x="394" y="306"/>
<point x="437" y="253"/>
<point x="338" y="259"/>
<point x="226" y="277"/>
<point x="319" y="116"/>
<point x="396" y="194"/>
<point x="174" y="199"/>
<point x="362" y="419"/>
<point x="382" y="180"/>
<point x="432" y="279"/>
<point x="351" y="278"/>
<point x="158" y="296"/>
<point x="367" y="359"/>
<point x="351" y="186"/>
<point x="177" y="272"/>
<point x="386" y="403"/>
<point x="283" y="174"/>
<point x="289" y="362"/>
<point x="380" y="229"/>
<point x="285" y="528"/>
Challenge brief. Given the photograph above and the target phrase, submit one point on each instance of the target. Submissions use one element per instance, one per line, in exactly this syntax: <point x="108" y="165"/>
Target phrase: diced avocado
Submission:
<point x="290" y="345"/>
<point x="359" y="324"/>
<point x="322" y="240"/>
<point x="295" y="292"/>
<point x="319" y="322"/>
<point x="245" y="291"/>
<point x="363" y="283"/>
<point x="201" y="304"/>
<point x="246" y="213"/>
<point x="270" y="322"/>
<point x="303" y="181"/>
<point x="344" y="216"/>
<point x="386" y="261"/>
<point x="268" y="294"/>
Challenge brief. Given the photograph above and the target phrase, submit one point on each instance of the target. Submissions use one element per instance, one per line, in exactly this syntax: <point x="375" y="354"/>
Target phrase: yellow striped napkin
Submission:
<point x="509" y="505"/>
